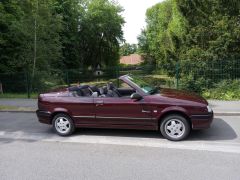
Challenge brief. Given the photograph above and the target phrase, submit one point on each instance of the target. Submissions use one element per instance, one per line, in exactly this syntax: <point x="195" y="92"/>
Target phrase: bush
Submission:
<point x="224" y="90"/>
<point x="190" y="83"/>
<point x="44" y="81"/>
<point x="159" y="81"/>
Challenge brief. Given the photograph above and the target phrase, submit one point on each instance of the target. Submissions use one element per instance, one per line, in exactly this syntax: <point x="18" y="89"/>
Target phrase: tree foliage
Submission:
<point x="165" y="30"/>
<point x="127" y="49"/>
<point x="69" y="34"/>
<point x="17" y="30"/>
<point x="195" y="33"/>
<point x="100" y="33"/>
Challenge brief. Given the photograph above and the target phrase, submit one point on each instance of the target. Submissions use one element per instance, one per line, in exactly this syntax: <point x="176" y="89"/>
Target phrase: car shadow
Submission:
<point x="118" y="132"/>
<point x="219" y="130"/>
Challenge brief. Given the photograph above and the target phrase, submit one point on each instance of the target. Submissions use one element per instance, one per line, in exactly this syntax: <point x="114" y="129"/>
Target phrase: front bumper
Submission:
<point x="202" y="121"/>
<point x="44" y="116"/>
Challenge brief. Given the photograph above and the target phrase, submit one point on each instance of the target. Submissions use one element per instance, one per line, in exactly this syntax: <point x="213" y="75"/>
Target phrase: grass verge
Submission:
<point x="18" y="95"/>
<point x="16" y="108"/>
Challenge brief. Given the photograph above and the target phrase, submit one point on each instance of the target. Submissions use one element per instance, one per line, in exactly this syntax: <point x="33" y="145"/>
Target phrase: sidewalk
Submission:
<point x="18" y="105"/>
<point x="231" y="108"/>
<point x="223" y="108"/>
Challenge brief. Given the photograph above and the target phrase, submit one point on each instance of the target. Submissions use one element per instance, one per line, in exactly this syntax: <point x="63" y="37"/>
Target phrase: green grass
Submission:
<point x="15" y="108"/>
<point x="224" y="90"/>
<point x="18" y="95"/>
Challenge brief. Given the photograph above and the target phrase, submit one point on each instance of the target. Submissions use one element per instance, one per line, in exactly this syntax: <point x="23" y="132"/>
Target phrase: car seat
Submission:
<point x="112" y="90"/>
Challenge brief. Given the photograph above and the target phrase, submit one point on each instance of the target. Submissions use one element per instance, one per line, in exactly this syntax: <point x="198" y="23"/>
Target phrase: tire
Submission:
<point x="175" y="127"/>
<point x="63" y="125"/>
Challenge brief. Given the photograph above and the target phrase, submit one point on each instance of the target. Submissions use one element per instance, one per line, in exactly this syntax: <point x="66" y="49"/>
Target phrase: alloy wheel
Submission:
<point x="174" y="128"/>
<point x="62" y="125"/>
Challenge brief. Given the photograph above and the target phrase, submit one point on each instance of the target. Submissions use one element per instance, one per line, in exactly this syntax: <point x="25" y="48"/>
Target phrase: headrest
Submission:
<point x="103" y="90"/>
<point x="94" y="89"/>
<point x="76" y="88"/>
<point x="110" y="86"/>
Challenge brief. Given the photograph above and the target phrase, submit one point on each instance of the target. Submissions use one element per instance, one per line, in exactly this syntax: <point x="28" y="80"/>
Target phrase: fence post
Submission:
<point x="1" y="88"/>
<point x="177" y="75"/>
<point x="27" y="84"/>
<point x="67" y="78"/>
<point x="117" y="76"/>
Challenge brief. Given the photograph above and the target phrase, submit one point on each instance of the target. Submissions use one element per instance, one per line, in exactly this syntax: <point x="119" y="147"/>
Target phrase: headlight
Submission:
<point x="209" y="109"/>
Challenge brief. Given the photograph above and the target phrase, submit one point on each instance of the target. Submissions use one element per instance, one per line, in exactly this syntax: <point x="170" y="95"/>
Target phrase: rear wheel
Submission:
<point x="175" y="127"/>
<point x="63" y="125"/>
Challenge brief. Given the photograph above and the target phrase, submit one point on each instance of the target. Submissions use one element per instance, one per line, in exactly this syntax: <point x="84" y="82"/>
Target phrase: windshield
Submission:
<point x="146" y="87"/>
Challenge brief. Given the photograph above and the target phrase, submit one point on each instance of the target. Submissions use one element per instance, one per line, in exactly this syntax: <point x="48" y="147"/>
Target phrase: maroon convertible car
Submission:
<point x="135" y="105"/>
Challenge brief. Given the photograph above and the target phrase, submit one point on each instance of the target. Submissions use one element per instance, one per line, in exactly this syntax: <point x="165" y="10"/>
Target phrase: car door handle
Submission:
<point x="143" y="111"/>
<point x="99" y="103"/>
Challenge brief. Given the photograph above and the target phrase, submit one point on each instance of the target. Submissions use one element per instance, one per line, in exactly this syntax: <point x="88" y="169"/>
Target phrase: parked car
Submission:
<point x="136" y="105"/>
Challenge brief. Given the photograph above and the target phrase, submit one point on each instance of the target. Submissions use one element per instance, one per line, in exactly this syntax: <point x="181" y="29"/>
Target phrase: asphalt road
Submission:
<point x="30" y="150"/>
<point x="47" y="160"/>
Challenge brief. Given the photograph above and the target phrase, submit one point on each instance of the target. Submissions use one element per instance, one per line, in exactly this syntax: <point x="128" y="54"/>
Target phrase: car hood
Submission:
<point x="182" y="95"/>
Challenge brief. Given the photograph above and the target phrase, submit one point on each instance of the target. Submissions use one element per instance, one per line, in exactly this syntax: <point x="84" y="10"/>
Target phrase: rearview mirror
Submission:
<point x="136" y="96"/>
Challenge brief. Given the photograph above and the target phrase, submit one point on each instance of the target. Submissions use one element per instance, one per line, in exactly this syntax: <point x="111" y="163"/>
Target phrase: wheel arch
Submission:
<point x="59" y="112"/>
<point x="174" y="112"/>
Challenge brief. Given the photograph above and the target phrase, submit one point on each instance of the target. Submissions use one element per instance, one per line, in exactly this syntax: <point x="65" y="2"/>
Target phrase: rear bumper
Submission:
<point x="202" y="121"/>
<point x="44" y="116"/>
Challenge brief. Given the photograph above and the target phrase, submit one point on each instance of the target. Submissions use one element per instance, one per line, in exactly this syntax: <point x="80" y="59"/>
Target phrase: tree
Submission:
<point x="164" y="33"/>
<point x="212" y="39"/>
<point x="100" y="33"/>
<point x="92" y="32"/>
<point x="197" y="34"/>
<point x="20" y="22"/>
<point x="127" y="49"/>
<point x="51" y="35"/>
<point x="72" y="13"/>
<point x="11" y="34"/>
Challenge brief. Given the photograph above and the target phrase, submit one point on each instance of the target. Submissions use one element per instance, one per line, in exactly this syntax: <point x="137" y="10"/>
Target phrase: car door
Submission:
<point x="123" y="112"/>
<point x="82" y="110"/>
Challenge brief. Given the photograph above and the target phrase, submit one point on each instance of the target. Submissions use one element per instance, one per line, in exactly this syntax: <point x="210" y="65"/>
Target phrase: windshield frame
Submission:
<point x="145" y="87"/>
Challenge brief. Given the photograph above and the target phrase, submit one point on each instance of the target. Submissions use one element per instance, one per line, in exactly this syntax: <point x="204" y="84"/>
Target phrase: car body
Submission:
<point x="139" y="106"/>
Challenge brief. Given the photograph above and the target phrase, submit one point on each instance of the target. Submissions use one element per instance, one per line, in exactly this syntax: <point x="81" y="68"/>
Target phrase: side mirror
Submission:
<point x="136" y="96"/>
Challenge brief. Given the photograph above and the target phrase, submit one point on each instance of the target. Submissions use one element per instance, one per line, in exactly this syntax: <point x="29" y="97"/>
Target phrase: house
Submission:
<point x="98" y="71"/>
<point x="133" y="59"/>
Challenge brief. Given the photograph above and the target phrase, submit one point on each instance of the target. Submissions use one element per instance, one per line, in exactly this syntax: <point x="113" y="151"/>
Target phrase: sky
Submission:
<point x="134" y="16"/>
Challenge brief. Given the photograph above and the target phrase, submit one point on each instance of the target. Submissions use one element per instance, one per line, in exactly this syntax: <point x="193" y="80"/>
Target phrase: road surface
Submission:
<point x="30" y="150"/>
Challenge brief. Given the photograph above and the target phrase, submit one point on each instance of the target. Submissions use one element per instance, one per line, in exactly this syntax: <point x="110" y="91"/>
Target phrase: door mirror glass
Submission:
<point x="136" y="96"/>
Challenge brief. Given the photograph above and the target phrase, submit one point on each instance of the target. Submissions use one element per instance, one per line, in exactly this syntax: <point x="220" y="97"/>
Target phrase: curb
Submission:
<point x="15" y="111"/>
<point x="215" y="114"/>
<point x="227" y="114"/>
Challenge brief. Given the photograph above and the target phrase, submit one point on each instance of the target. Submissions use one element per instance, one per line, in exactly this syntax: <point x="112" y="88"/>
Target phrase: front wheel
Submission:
<point x="63" y="125"/>
<point x="175" y="127"/>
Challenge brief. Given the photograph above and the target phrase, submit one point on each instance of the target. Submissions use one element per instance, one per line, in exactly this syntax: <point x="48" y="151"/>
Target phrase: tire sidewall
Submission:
<point x="72" y="126"/>
<point x="180" y="118"/>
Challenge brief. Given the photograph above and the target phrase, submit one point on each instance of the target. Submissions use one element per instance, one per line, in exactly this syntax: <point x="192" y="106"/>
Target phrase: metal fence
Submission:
<point x="183" y="76"/>
<point x="206" y="74"/>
